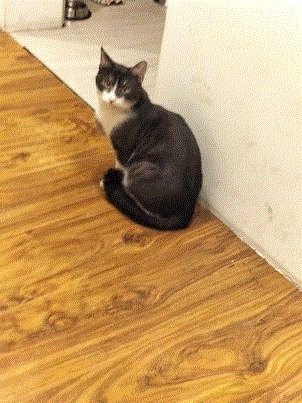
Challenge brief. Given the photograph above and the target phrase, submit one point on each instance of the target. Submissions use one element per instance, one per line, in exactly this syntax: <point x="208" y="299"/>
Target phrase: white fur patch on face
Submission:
<point x="111" y="98"/>
<point x="109" y="115"/>
<point x="123" y="103"/>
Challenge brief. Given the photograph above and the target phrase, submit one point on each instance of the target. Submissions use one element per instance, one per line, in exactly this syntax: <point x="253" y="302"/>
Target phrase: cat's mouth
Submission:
<point x="110" y="101"/>
<point x="119" y="103"/>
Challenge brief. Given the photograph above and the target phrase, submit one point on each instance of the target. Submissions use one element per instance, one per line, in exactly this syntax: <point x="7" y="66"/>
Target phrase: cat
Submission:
<point x="158" y="177"/>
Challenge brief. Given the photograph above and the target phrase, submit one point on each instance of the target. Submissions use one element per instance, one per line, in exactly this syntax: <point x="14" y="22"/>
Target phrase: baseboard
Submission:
<point x="285" y="272"/>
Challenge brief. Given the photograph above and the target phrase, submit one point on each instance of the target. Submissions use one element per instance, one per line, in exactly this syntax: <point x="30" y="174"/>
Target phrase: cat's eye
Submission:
<point x="125" y="88"/>
<point x="107" y="81"/>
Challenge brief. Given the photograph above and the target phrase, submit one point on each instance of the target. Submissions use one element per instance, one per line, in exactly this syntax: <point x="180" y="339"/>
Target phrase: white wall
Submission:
<point x="2" y="12"/>
<point x="16" y="15"/>
<point x="232" y="69"/>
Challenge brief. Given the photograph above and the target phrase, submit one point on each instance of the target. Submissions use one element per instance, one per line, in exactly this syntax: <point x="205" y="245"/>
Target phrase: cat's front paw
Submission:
<point x="112" y="179"/>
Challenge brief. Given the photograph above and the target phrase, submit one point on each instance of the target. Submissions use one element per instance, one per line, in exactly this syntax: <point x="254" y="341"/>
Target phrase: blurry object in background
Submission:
<point x="108" y="2"/>
<point x="28" y="15"/>
<point x="76" y="10"/>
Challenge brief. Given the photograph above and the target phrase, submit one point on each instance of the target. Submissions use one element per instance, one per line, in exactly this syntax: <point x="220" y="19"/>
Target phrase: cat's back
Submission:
<point x="175" y="145"/>
<point x="173" y="128"/>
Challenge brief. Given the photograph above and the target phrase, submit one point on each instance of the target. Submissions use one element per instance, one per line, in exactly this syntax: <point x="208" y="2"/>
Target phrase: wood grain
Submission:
<point x="95" y="309"/>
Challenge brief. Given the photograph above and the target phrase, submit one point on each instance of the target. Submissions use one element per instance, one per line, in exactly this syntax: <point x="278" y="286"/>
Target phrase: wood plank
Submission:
<point x="94" y="308"/>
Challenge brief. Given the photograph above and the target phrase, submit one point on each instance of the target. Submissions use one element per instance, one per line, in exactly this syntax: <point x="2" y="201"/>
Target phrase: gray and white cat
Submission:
<point x="158" y="176"/>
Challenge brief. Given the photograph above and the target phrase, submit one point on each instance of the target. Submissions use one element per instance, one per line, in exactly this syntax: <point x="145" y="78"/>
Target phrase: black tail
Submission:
<point x="117" y="195"/>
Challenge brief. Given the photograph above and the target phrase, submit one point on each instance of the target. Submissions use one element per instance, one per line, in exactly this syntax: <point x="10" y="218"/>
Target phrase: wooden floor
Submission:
<point x="95" y="309"/>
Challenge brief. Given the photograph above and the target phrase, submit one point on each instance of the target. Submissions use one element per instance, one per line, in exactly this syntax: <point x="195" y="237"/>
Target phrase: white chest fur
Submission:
<point x="110" y="116"/>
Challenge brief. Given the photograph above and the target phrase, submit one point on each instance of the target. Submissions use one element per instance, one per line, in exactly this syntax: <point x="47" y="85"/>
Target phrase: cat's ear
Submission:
<point x="106" y="62"/>
<point x="139" y="70"/>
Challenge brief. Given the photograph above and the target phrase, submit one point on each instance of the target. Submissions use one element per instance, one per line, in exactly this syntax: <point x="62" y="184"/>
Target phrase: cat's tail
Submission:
<point x="116" y="194"/>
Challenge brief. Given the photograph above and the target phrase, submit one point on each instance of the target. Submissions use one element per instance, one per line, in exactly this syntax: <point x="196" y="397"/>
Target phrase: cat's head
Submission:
<point x="118" y="85"/>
